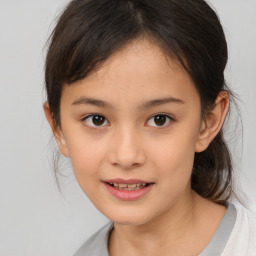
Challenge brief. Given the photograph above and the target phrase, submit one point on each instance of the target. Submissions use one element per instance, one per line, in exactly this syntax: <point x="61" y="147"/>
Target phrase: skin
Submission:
<point x="130" y="145"/>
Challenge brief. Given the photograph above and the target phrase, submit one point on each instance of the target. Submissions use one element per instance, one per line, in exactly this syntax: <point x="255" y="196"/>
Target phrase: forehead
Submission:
<point x="138" y="71"/>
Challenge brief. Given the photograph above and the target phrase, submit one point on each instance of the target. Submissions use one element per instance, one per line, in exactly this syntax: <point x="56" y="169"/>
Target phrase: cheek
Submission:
<point x="174" y="174"/>
<point x="177" y="149"/>
<point x="87" y="156"/>
<point x="174" y="157"/>
<point x="176" y="163"/>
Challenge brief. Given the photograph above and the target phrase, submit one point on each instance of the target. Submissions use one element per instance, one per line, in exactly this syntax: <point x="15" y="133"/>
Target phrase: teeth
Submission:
<point x="128" y="187"/>
<point x="122" y="185"/>
<point x="132" y="185"/>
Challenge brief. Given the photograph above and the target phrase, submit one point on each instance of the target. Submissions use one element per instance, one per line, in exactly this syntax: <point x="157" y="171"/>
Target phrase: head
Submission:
<point x="141" y="58"/>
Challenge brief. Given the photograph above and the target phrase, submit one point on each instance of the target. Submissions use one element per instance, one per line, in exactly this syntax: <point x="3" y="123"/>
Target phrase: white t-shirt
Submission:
<point x="242" y="240"/>
<point x="235" y="236"/>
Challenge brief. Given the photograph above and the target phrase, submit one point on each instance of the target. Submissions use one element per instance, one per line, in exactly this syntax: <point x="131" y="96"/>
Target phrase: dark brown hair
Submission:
<point x="89" y="31"/>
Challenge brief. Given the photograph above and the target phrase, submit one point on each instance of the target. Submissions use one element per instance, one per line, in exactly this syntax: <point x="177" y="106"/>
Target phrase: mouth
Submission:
<point x="128" y="189"/>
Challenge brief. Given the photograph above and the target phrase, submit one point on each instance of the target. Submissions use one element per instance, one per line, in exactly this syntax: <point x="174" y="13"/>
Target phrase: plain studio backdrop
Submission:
<point x="35" y="218"/>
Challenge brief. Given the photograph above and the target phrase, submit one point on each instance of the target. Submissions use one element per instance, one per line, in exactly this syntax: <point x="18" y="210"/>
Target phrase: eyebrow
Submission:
<point x="92" y="101"/>
<point x="158" y="102"/>
<point x="144" y="105"/>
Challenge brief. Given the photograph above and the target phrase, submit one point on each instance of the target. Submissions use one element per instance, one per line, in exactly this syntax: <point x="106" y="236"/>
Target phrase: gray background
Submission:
<point x="35" y="219"/>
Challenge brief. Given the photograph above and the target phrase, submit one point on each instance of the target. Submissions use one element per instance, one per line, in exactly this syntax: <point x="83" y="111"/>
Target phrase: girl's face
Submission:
<point x="134" y="121"/>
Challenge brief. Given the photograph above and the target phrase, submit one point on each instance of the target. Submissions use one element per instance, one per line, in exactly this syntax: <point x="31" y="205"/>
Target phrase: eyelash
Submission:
<point x="167" y="117"/>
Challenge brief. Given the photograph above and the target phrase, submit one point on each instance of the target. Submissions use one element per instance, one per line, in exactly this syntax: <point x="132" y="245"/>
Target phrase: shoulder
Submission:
<point x="96" y="245"/>
<point x="242" y="240"/>
<point x="246" y="219"/>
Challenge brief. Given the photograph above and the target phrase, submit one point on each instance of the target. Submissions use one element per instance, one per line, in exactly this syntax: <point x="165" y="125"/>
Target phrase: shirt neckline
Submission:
<point x="220" y="238"/>
<point x="98" y="244"/>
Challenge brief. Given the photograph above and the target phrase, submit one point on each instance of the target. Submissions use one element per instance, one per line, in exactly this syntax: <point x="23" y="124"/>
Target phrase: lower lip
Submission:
<point x="128" y="194"/>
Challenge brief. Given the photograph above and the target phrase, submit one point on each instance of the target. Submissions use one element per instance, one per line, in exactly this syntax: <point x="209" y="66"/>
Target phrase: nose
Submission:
<point x="127" y="149"/>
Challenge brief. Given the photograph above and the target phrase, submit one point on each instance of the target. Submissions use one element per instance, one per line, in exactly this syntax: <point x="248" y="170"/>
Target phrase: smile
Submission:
<point x="128" y="189"/>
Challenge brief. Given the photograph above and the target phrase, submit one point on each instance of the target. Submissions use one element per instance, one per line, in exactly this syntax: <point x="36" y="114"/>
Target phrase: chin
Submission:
<point x="129" y="221"/>
<point x="125" y="217"/>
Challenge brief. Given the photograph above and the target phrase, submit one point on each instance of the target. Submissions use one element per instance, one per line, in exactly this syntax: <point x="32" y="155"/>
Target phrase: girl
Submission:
<point x="137" y="100"/>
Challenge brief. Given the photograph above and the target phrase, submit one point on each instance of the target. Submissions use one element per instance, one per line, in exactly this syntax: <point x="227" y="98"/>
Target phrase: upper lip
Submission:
<point x="127" y="181"/>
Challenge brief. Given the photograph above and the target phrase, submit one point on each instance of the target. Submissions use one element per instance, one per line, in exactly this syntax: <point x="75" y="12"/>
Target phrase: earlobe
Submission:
<point x="57" y="133"/>
<point x="213" y="122"/>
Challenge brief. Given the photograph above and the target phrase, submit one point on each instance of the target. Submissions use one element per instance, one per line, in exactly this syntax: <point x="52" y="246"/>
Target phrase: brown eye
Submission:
<point x="95" y="120"/>
<point x="159" y="120"/>
<point x="98" y="120"/>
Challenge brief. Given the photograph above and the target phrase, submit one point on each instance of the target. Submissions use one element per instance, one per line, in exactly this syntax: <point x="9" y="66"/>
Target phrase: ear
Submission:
<point x="213" y="122"/>
<point x="56" y="130"/>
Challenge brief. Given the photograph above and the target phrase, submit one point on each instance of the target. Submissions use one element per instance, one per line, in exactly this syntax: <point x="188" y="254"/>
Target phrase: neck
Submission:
<point x="182" y="224"/>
